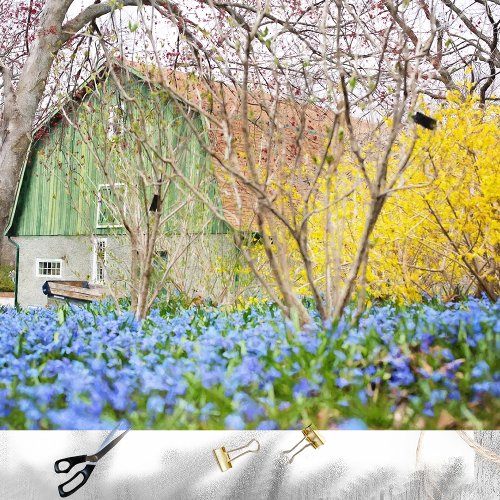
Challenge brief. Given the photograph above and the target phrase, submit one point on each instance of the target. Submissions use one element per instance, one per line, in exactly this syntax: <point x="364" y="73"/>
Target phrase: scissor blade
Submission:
<point x="111" y="435"/>
<point x="110" y="445"/>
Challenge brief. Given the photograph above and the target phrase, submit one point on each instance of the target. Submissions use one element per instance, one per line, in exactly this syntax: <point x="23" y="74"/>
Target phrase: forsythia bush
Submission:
<point x="439" y="231"/>
<point x="442" y="237"/>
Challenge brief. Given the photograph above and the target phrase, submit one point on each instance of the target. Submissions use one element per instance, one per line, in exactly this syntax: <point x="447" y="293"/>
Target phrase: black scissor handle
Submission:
<point x="85" y="472"/>
<point x="71" y="461"/>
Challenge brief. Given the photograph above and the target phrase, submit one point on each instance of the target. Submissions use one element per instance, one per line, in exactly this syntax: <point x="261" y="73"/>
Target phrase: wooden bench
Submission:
<point x="73" y="290"/>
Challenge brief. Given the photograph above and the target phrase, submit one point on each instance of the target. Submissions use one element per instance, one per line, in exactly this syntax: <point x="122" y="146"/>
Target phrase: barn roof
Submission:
<point x="299" y="134"/>
<point x="277" y="160"/>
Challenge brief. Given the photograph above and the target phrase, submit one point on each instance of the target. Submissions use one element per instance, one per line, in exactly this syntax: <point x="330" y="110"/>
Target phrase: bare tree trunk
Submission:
<point x="21" y="104"/>
<point x="133" y="272"/>
<point x="147" y="268"/>
<point x="361" y="255"/>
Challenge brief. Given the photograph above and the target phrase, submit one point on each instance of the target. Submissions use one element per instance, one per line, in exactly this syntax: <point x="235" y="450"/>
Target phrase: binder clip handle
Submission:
<point x="225" y="461"/>
<point x="313" y="439"/>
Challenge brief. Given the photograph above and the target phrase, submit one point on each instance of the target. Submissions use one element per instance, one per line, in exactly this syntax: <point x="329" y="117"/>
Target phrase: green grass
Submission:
<point x="6" y="283"/>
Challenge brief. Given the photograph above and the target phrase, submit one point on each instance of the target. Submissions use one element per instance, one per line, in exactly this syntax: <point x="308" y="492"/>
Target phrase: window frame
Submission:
<point x="95" y="260"/>
<point x="99" y="202"/>
<point x="37" y="268"/>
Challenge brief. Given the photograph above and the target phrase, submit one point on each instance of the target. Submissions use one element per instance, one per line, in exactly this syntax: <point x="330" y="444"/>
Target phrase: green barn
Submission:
<point x="94" y="168"/>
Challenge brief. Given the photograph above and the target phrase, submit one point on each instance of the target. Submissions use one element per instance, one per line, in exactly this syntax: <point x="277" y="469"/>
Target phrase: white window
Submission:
<point x="48" y="268"/>
<point x="108" y="198"/>
<point x="99" y="255"/>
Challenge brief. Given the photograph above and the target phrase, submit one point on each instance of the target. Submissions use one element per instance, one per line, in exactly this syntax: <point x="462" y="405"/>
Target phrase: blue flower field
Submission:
<point x="417" y="366"/>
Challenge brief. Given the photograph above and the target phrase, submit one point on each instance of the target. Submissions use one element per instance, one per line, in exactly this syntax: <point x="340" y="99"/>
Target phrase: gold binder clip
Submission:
<point x="314" y="439"/>
<point x="225" y="461"/>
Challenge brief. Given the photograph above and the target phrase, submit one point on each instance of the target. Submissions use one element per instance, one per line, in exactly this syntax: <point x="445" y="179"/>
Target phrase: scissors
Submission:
<point x="64" y="465"/>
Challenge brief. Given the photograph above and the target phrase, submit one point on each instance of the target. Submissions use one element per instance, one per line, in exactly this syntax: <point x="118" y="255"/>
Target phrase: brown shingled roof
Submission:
<point x="276" y="161"/>
<point x="220" y="101"/>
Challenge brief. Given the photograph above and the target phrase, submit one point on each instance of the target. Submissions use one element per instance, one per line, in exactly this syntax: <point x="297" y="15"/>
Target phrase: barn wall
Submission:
<point x="76" y="253"/>
<point x="58" y="195"/>
<point x="206" y="269"/>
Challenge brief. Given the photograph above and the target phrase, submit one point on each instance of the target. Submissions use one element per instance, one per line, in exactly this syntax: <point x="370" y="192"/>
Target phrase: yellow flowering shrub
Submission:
<point x="439" y="231"/>
<point x="440" y="234"/>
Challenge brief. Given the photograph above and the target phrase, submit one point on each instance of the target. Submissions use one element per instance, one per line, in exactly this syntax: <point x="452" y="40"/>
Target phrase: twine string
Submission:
<point x="480" y="450"/>
<point x="426" y="479"/>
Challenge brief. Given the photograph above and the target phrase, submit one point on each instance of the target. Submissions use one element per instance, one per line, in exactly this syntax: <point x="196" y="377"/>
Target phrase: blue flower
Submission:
<point x="304" y="388"/>
<point x="155" y="405"/>
<point x="194" y="363"/>
<point x="341" y="382"/>
<point x="234" y="422"/>
<point x="352" y="424"/>
<point x="267" y="425"/>
<point x="428" y="409"/>
<point x="363" y="397"/>
<point x="480" y="369"/>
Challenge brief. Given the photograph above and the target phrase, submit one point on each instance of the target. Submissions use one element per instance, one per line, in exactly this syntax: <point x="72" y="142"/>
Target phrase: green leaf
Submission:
<point x="133" y="26"/>
<point x="243" y="348"/>
<point x="294" y="316"/>
<point x="61" y="316"/>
